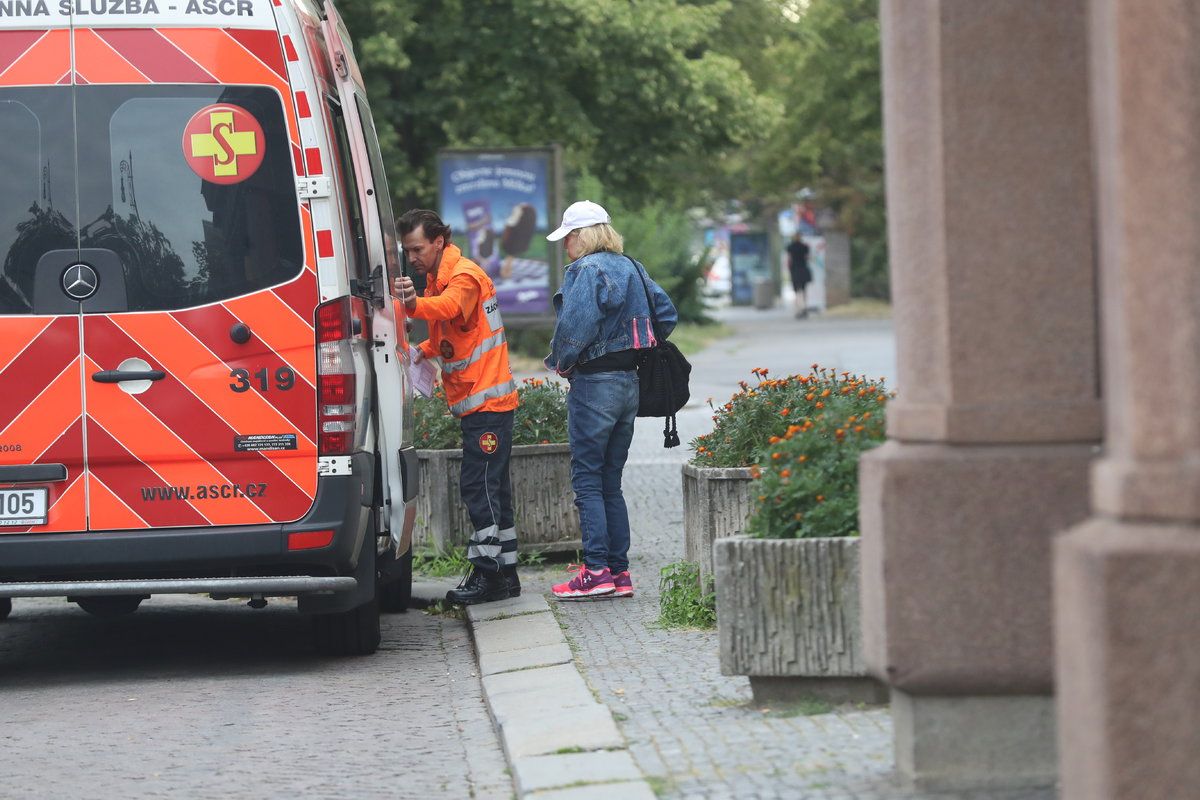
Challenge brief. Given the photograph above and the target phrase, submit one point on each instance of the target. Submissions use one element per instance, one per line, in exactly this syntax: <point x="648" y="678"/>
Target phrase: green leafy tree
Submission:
<point x="630" y="89"/>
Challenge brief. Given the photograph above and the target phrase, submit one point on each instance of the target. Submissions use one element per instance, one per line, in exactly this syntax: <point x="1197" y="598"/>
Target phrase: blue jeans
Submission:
<point x="601" y="408"/>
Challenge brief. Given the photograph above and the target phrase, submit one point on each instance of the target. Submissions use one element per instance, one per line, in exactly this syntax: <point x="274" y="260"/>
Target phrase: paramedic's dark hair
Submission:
<point x="428" y="221"/>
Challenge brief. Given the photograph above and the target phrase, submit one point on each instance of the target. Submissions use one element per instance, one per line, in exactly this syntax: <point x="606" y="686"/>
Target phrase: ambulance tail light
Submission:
<point x="337" y="325"/>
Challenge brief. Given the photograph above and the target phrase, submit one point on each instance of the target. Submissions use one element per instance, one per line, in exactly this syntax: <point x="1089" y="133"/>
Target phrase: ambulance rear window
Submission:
<point x="192" y="187"/>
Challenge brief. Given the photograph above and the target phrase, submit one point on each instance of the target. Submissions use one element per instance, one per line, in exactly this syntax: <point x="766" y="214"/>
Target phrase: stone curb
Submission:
<point x="560" y="743"/>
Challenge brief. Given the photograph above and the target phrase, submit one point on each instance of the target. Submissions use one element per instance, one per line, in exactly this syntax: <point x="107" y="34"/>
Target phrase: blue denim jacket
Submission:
<point x="602" y="308"/>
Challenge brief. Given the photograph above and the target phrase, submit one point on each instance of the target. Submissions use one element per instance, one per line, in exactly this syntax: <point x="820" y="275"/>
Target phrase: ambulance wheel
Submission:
<point x="117" y="605"/>
<point x="397" y="595"/>
<point x="348" y="633"/>
<point x="5" y="607"/>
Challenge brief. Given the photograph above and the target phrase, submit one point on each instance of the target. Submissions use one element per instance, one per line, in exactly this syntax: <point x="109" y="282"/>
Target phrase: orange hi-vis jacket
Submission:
<point x="467" y="334"/>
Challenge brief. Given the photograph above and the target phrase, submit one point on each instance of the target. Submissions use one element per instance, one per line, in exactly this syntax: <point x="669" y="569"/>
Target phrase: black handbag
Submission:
<point x="663" y="375"/>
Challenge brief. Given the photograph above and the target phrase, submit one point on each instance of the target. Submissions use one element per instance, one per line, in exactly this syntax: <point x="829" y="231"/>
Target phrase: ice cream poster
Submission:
<point x="497" y="205"/>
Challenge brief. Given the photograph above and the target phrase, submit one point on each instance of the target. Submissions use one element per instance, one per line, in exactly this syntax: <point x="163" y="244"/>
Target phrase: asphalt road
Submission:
<point x="194" y="698"/>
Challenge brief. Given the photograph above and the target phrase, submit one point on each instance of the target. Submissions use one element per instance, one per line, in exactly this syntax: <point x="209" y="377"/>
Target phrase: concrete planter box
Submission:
<point x="716" y="504"/>
<point x="543" y="503"/>
<point x="788" y="617"/>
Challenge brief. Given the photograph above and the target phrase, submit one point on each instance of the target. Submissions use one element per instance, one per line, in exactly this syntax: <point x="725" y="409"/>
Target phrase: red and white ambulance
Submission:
<point x="203" y="383"/>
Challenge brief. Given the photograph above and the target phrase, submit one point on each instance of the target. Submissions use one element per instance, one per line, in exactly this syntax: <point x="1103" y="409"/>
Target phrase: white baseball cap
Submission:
<point x="579" y="215"/>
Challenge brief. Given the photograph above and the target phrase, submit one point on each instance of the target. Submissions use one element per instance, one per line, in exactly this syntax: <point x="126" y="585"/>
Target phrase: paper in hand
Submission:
<point x="422" y="373"/>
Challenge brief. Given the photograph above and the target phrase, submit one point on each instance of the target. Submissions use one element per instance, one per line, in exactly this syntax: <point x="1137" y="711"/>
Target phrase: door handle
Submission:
<point x="119" y="375"/>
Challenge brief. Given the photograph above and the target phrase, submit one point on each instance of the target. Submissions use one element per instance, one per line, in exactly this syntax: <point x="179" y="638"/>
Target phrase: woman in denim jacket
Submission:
<point x="603" y="320"/>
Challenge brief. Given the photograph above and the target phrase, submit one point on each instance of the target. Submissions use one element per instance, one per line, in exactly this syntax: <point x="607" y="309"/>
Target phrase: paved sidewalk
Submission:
<point x="694" y="732"/>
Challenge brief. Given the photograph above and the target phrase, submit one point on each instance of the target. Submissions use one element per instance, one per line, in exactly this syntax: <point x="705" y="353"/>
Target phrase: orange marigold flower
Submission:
<point x="802" y="459"/>
<point x="826" y="393"/>
<point x="820" y="404"/>
<point x="776" y="456"/>
<point x="786" y="473"/>
<point x="845" y="390"/>
<point x="809" y="396"/>
<point x="858" y="428"/>
<point x="839" y="433"/>
<point x="755" y="472"/>
<point x="866" y="415"/>
<point x="773" y="440"/>
<point x="785" y="412"/>
<point x="820" y="498"/>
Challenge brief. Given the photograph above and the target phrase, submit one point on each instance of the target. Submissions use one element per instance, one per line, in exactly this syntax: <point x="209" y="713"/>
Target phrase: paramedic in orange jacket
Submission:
<point x="467" y="335"/>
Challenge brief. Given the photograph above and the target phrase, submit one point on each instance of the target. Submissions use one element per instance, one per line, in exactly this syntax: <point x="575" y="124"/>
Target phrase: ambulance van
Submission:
<point x="203" y="380"/>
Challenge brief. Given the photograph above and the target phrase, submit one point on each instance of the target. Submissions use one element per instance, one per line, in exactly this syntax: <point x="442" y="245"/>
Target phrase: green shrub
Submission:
<point x="760" y="415"/>
<point x="808" y="482"/>
<point x="683" y="602"/>
<point x="541" y="417"/>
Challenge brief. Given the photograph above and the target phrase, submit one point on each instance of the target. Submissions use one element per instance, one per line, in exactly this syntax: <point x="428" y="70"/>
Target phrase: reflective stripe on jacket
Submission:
<point x="471" y="346"/>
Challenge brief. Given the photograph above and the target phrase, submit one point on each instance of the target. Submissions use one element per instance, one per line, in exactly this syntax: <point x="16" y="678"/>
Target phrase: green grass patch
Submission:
<point x="684" y="600"/>
<point x="861" y="308"/>
<point x="437" y="564"/>
<point x="691" y="338"/>
<point x="440" y="608"/>
<point x="805" y="707"/>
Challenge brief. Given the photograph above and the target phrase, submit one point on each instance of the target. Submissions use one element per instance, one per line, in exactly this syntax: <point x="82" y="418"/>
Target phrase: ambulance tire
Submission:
<point x="5" y="607"/>
<point x="396" y="595"/>
<point x="348" y="633"/>
<point x="108" y="606"/>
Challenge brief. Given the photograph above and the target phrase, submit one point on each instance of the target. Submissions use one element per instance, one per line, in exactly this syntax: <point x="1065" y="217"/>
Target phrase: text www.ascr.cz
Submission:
<point x="210" y="491"/>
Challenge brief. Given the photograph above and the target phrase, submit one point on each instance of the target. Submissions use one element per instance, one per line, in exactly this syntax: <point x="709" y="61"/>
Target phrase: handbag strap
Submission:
<point x="649" y="300"/>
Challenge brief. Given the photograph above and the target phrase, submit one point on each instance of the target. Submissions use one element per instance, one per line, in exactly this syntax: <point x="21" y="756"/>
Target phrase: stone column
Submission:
<point x="989" y="200"/>
<point x="1127" y="583"/>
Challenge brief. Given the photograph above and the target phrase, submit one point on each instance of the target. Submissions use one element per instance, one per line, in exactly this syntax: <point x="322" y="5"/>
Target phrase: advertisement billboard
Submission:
<point x="500" y="204"/>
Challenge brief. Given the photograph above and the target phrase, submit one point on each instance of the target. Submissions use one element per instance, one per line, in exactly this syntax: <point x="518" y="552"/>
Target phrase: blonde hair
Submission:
<point x="598" y="237"/>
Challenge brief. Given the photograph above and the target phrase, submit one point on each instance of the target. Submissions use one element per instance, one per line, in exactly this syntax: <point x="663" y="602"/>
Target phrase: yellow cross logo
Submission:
<point x="223" y="144"/>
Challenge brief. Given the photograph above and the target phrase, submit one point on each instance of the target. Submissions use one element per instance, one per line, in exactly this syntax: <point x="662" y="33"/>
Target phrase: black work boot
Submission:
<point x="514" y="583"/>
<point x="481" y="586"/>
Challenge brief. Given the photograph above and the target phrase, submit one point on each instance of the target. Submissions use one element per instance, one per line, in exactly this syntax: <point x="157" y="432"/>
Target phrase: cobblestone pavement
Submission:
<point x="694" y="732"/>
<point x="194" y="698"/>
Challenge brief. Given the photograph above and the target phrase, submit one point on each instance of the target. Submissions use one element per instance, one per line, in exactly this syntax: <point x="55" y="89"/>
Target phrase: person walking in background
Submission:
<point x="467" y="334"/>
<point x="797" y="252"/>
<point x="604" y="318"/>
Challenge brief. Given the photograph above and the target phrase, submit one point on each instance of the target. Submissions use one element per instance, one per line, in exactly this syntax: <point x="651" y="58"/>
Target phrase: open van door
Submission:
<point x="390" y="352"/>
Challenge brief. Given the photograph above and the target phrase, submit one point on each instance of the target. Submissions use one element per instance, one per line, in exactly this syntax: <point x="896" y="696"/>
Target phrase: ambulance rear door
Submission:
<point x="200" y="367"/>
<point x="395" y="417"/>
<point x="42" y="483"/>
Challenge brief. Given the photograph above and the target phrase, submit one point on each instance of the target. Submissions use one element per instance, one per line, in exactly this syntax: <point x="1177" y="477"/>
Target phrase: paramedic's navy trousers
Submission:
<point x="487" y="490"/>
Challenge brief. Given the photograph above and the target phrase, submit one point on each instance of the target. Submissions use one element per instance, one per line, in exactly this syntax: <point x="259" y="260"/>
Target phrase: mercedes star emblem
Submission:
<point x="80" y="281"/>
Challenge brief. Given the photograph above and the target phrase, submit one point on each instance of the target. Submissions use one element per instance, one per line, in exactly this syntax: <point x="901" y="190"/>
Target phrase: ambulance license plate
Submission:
<point x="23" y="507"/>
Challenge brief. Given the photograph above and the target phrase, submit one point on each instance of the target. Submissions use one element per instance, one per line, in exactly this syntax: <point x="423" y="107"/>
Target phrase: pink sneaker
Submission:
<point x="623" y="584"/>
<point x="585" y="584"/>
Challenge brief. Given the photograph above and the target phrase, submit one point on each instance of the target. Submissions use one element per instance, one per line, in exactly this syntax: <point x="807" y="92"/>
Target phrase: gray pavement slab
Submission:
<point x="510" y="660"/>
<point x="518" y="704"/>
<point x="630" y="790"/>
<point x="542" y="731"/>
<point x="559" y="679"/>
<point x="536" y="773"/>
<point x="517" y="633"/>
<point x="528" y="603"/>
